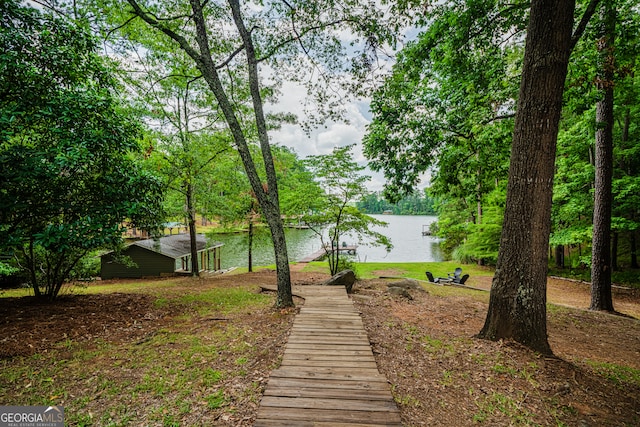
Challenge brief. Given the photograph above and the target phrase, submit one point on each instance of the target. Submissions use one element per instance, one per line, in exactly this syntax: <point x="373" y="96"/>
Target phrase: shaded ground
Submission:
<point x="440" y="374"/>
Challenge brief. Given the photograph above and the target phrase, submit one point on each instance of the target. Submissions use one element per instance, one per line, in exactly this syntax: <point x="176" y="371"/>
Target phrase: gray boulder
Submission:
<point x="344" y="278"/>
<point x="409" y="284"/>
<point x="402" y="292"/>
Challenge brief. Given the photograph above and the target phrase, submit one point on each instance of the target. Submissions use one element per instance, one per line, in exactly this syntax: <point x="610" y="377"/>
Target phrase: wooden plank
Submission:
<point x="343" y="403"/>
<point x="343" y="384"/>
<point x="335" y="358"/>
<point x="330" y="370"/>
<point x="297" y="339"/>
<point x="328" y="375"/>
<point x="330" y="352"/>
<point x="369" y="364"/>
<point x="328" y="393"/>
<point x="316" y="330"/>
<point x="324" y="415"/>
<point x="278" y="423"/>
<point x="296" y="372"/>
<point x="321" y="336"/>
<point x="313" y="346"/>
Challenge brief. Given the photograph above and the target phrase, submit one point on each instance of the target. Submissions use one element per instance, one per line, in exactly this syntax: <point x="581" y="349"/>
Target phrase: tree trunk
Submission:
<point x="559" y="256"/>
<point x="191" y="221"/>
<point x="204" y="62"/>
<point x="285" y="296"/>
<point x="601" y="298"/>
<point x="268" y="199"/>
<point x="202" y="57"/>
<point x="31" y="263"/>
<point x="614" y="251"/>
<point x="335" y="247"/>
<point x="634" y="251"/>
<point x="517" y="306"/>
<point x="250" y="260"/>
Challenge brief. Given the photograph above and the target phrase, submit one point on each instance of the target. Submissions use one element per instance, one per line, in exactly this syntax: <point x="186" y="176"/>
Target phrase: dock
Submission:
<point x="316" y="256"/>
<point x="321" y="253"/>
<point x="328" y="374"/>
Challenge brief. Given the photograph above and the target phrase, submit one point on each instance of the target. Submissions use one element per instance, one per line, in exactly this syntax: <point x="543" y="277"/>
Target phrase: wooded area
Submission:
<point x="451" y="106"/>
<point x="128" y="114"/>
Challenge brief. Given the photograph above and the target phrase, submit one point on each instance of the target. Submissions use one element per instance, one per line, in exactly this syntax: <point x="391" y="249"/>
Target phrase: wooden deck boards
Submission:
<point x="328" y="375"/>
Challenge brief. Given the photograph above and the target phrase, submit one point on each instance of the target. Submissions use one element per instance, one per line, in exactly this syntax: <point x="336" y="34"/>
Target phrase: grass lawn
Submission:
<point x="186" y="353"/>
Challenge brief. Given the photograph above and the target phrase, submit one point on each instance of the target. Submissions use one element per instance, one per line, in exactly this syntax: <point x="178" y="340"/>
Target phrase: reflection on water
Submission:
<point x="235" y="252"/>
<point x="409" y="245"/>
<point x="405" y="233"/>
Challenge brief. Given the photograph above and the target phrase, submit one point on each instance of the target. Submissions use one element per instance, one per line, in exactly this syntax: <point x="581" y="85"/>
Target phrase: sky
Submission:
<point x="333" y="134"/>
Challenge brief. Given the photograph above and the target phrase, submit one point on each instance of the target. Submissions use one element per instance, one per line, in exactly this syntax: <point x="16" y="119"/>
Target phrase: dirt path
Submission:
<point x="577" y="294"/>
<point x="440" y="374"/>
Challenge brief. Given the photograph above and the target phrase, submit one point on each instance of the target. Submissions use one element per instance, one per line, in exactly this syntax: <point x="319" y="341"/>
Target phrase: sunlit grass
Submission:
<point x="620" y="375"/>
<point x="183" y="365"/>
<point x="416" y="270"/>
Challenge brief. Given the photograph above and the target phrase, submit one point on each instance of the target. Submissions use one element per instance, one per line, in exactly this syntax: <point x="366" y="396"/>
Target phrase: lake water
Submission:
<point x="405" y="232"/>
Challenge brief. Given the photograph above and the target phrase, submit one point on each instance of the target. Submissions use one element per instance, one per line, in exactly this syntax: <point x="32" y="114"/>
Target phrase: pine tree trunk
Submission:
<point x="634" y="251"/>
<point x="601" y="298"/>
<point x="250" y="260"/>
<point x="191" y="220"/>
<point x="517" y="306"/>
<point x="559" y="256"/>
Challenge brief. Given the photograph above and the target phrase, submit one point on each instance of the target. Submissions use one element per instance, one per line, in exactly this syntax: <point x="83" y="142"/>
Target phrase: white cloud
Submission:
<point x="331" y="134"/>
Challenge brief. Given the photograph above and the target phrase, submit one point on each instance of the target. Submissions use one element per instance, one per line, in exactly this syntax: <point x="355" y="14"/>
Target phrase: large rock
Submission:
<point x="403" y="292"/>
<point x="409" y="284"/>
<point x="344" y="278"/>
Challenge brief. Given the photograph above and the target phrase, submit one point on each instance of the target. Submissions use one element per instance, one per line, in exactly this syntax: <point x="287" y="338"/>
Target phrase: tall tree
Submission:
<point x="68" y="175"/>
<point x="187" y="134"/>
<point x="448" y="108"/>
<point x="517" y="306"/>
<point x="334" y="215"/>
<point x="601" y="298"/>
<point x="200" y="51"/>
<point x="227" y="40"/>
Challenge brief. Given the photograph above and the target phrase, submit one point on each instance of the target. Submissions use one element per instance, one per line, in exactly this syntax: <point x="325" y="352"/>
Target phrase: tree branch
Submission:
<point x="230" y="58"/>
<point x="113" y="30"/>
<point x="272" y="193"/>
<point x="184" y="44"/>
<point x="588" y="13"/>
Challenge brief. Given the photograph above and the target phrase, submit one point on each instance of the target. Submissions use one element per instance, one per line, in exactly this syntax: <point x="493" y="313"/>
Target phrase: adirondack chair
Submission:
<point x="455" y="275"/>
<point x="461" y="280"/>
<point x="438" y="279"/>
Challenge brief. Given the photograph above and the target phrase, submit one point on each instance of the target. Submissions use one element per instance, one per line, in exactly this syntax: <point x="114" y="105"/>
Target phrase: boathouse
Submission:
<point x="168" y="255"/>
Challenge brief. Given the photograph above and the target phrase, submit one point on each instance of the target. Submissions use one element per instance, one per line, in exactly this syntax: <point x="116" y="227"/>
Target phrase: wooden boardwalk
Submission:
<point x="328" y="375"/>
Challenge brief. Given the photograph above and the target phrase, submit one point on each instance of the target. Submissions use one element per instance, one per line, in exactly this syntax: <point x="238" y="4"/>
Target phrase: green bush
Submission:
<point x="347" y="263"/>
<point x="87" y="268"/>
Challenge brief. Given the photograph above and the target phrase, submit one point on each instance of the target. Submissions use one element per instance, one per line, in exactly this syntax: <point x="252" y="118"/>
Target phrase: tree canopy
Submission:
<point x="231" y="44"/>
<point x="448" y="108"/>
<point x="333" y="214"/>
<point x="69" y="179"/>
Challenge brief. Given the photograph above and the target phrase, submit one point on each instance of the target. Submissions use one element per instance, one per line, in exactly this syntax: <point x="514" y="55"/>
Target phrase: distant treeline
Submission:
<point x="414" y="204"/>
